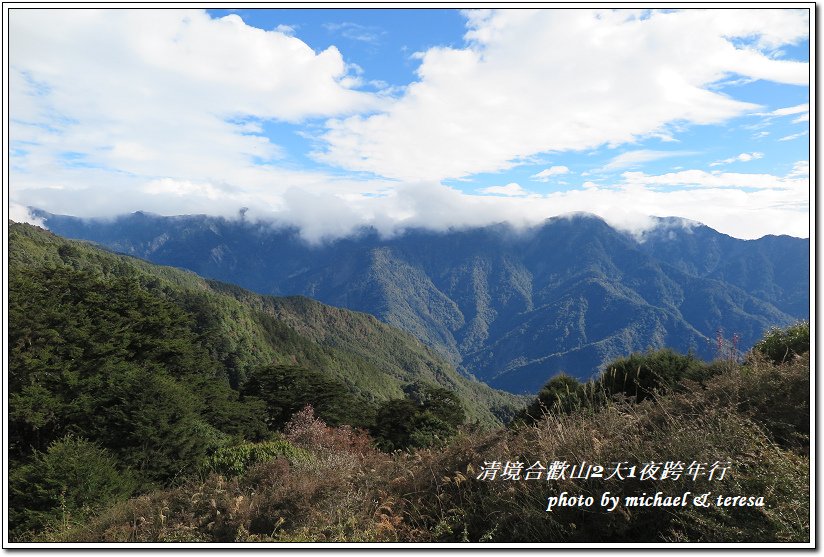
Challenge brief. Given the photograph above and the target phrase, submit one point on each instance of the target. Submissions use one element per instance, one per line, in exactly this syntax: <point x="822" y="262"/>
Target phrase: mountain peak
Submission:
<point x="576" y="216"/>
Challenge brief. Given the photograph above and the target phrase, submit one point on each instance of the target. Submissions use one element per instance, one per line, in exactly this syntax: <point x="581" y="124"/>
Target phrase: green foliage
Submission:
<point x="225" y="409"/>
<point x="563" y="393"/>
<point x="781" y="345"/>
<point x="285" y="390"/>
<point x="235" y="460"/>
<point x="641" y="376"/>
<point x="395" y="424"/>
<point x="109" y="358"/>
<point x="428" y="416"/>
<point x="151" y="422"/>
<point x="65" y="484"/>
<point x="441" y="402"/>
<point x="427" y="430"/>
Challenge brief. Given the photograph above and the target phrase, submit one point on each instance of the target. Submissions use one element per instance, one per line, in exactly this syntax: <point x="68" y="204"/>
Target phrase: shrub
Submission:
<point x="781" y="345"/>
<point x="643" y="375"/>
<point x="286" y="389"/>
<point x="235" y="460"/>
<point x="638" y="377"/>
<point x="563" y="393"/>
<point x="307" y="430"/>
<point x="427" y="417"/>
<point x="71" y="480"/>
<point x="776" y="397"/>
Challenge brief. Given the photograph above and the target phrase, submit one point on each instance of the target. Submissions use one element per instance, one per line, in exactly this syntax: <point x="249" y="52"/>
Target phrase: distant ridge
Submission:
<point x="512" y="308"/>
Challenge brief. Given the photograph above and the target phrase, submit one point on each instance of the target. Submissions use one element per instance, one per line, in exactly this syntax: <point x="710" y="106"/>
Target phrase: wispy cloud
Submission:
<point x="287" y="29"/>
<point x="743" y="157"/>
<point x="510" y="190"/>
<point x="801" y="169"/>
<point x="716" y="179"/>
<point x="356" y="32"/>
<point x="19" y="213"/>
<point x="803" y="111"/>
<point x="636" y="158"/>
<point x="546" y="174"/>
<point x="790" y="110"/>
<point x="793" y="136"/>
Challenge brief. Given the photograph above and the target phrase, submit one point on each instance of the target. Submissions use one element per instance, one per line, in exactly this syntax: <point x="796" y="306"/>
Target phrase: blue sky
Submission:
<point x="380" y="41"/>
<point x="331" y="119"/>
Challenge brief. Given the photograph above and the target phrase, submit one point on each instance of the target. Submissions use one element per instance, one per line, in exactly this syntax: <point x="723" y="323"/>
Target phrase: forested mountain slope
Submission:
<point x="512" y="308"/>
<point x="159" y="368"/>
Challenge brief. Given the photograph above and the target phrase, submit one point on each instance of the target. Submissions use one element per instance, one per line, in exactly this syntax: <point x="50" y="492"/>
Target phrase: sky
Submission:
<point x="334" y="119"/>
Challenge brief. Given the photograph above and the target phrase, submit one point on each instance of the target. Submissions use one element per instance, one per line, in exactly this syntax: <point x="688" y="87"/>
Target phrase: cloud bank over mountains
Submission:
<point x="171" y="111"/>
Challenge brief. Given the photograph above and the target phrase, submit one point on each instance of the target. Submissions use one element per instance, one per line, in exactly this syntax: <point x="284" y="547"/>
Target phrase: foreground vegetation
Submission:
<point x="143" y="408"/>
<point x="322" y="483"/>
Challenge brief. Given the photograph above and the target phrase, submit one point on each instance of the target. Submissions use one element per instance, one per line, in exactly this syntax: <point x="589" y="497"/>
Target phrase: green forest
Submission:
<point x="147" y="404"/>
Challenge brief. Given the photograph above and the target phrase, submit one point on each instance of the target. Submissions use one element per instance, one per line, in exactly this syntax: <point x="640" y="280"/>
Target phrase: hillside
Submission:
<point x="373" y="359"/>
<point x="160" y="368"/>
<point x="511" y="308"/>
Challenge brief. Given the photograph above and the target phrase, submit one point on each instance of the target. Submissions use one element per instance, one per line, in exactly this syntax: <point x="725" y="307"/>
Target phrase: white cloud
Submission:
<point x="801" y="169"/>
<point x="356" y="32"/>
<point x="183" y="188"/>
<point x="785" y="26"/>
<point x="488" y="106"/>
<point x="743" y="157"/>
<point x="779" y="206"/>
<point x="546" y="174"/>
<point x="19" y="213"/>
<point x="790" y="110"/>
<point x="635" y="158"/>
<point x="160" y="93"/>
<point x="286" y="29"/>
<point x="803" y="110"/>
<point x="511" y="189"/>
<point x="746" y="157"/>
<point x="324" y="207"/>
<point x="703" y="179"/>
<point x="793" y="136"/>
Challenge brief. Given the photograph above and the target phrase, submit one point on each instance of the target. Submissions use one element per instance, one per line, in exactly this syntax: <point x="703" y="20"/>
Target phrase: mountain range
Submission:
<point x="510" y="307"/>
